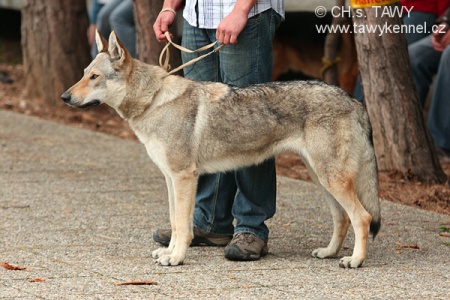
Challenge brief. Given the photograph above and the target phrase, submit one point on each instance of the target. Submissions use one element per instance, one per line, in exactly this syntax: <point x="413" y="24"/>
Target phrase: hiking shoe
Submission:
<point x="201" y="237"/>
<point x="246" y="246"/>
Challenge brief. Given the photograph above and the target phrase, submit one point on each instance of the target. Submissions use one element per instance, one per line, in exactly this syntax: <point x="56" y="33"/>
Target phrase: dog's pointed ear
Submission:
<point x="102" y="44"/>
<point x="116" y="50"/>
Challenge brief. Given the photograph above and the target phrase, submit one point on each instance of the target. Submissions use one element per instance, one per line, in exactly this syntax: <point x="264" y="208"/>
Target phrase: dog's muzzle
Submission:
<point x="67" y="99"/>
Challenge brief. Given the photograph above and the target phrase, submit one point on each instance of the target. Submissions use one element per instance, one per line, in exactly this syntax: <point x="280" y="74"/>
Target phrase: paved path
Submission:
<point x="77" y="209"/>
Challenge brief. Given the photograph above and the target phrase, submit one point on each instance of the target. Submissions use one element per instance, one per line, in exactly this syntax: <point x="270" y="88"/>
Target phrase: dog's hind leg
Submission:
<point x="165" y="251"/>
<point x="343" y="190"/>
<point x="184" y="187"/>
<point x="341" y="222"/>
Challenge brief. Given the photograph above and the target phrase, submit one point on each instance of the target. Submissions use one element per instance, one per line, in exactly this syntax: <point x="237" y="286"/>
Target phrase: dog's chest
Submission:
<point x="156" y="150"/>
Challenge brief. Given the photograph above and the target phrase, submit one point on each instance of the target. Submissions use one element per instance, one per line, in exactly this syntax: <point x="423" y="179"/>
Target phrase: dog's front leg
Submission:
<point x="184" y="186"/>
<point x="165" y="251"/>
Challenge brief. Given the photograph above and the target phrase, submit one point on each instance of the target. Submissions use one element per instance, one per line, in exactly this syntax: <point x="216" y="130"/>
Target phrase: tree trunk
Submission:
<point x="148" y="48"/>
<point x="54" y="44"/>
<point x="402" y="142"/>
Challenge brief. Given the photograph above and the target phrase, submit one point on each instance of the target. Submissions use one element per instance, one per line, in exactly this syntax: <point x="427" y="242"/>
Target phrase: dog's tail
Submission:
<point x="367" y="191"/>
<point x="367" y="183"/>
<point x="371" y="202"/>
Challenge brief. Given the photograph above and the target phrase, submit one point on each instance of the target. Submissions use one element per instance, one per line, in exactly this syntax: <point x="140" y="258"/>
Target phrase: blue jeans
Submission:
<point x="117" y="15"/>
<point x="425" y="63"/>
<point x="248" y="194"/>
<point x="121" y="21"/>
<point x="103" y="25"/>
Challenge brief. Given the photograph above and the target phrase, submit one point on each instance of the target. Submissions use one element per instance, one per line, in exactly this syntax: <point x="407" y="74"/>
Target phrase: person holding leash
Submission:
<point x="248" y="195"/>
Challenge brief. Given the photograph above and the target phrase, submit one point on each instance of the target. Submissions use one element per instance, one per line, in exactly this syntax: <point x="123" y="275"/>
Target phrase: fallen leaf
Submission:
<point x="409" y="247"/>
<point x="11" y="267"/>
<point x="136" y="282"/>
<point x="287" y="224"/>
<point x="36" y="279"/>
<point x="444" y="234"/>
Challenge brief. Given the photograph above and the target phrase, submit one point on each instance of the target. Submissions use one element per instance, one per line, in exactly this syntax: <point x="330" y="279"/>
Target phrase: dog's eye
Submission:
<point x="94" y="76"/>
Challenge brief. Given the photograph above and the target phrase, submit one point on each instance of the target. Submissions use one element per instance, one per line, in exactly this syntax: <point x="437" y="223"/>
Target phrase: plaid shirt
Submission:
<point x="211" y="12"/>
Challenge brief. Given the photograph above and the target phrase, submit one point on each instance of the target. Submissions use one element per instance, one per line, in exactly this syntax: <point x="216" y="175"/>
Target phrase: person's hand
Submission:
<point x="162" y="24"/>
<point x="445" y="40"/>
<point x="230" y="27"/>
<point x="436" y="42"/>
<point x="440" y="37"/>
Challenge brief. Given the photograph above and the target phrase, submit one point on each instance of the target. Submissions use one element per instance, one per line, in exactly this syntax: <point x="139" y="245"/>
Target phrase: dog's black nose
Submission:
<point x="65" y="97"/>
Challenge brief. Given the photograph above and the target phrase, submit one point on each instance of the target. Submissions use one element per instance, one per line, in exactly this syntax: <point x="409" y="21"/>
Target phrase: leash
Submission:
<point x="165" y="52"/>
<point x="328" y="64"/>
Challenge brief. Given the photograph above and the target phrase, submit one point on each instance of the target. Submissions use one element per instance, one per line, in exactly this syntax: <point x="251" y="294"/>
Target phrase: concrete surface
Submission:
<point x="77" y="209"/>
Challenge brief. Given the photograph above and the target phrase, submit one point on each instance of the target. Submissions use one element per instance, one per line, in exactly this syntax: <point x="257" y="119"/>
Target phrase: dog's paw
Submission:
<point x="350" y="262"/>
<point x="170" y="260"/>
<point x="323" y="253"/>
<point x="161" y="252"/>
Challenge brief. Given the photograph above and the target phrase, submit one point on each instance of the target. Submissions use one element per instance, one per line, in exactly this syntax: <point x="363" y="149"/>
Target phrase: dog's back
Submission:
<point x="274" y="116"/>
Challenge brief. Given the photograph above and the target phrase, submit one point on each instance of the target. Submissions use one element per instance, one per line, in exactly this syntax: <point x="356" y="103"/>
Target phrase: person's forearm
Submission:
<point x="244" y="6"/>
<point x="165" y="19"/>
<point x="172" y="4"/>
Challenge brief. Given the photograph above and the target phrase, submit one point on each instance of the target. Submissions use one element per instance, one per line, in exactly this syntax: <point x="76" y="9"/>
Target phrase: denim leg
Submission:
<point x="205" y="69"/>
<point x="122" y="22"/>
<point x="439" y="115"/>
<point x="424" y="62"/>
<point x="248" y="195"/>
<point x="251" y="61"/>
<point x="103" y="24"/>
<point x="358" y="91"/>
<point x="212" y="211"/>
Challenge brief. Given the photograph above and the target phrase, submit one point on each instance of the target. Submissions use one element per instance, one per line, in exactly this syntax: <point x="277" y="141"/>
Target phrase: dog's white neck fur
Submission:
<point x="134" y="102"/>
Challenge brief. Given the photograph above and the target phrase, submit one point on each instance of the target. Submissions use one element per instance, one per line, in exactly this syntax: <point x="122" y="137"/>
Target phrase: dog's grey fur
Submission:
<point x="190" y="128"/>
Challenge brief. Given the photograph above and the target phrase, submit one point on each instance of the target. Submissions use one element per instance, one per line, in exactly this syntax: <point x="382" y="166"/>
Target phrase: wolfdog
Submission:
<point x="190" y="128"/>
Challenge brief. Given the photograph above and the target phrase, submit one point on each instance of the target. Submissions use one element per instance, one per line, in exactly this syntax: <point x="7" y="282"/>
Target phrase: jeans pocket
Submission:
<point x="255" y="19"/>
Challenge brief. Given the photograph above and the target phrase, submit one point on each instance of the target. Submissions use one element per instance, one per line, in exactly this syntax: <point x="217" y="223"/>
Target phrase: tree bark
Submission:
<point x="148" y="48"/>
<point x="401" y="139"/>
<point x="54" y="44"/>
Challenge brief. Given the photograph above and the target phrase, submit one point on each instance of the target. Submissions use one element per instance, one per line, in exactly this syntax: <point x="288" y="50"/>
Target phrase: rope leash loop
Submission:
<point x="328" y="64"/>
<point x="165" y="54"/>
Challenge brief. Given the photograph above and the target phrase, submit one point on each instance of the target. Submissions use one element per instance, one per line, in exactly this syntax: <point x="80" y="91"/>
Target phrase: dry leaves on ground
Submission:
<point x="136" y="282"/>
<point x="36" y="279"/>
<point x="400" y="248"/>
<point x="12" y="267"/>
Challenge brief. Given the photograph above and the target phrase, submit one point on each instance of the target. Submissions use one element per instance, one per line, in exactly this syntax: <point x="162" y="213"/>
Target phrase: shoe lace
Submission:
<point x="244" y="238"/>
